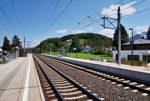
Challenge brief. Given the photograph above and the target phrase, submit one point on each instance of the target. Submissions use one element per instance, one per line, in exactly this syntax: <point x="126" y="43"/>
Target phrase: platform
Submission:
<point x="134" y="72"/>
<point x="19" y="81"/>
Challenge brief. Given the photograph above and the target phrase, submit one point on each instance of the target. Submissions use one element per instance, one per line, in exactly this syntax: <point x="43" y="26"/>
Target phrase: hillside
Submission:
<point x="91" y="39"/>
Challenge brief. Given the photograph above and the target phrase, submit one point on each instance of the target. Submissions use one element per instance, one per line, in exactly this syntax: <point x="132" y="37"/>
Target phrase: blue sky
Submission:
<point x="33" y="15"/>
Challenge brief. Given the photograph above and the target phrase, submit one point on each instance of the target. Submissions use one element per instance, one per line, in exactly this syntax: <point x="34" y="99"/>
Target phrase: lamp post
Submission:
<point x="132" y="42"/>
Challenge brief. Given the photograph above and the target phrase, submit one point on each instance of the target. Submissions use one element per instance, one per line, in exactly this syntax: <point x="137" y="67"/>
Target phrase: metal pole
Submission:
<point x="132" y="46"/>
<point x="24" y="46"/>
<point x="50" y="48"/>
<point x="119" y="37"/>
<point x="76" y="53"/>
<point x="73" y="52"/>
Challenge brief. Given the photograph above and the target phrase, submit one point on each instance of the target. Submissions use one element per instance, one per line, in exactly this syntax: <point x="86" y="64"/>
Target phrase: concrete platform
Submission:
<point x="19" y="81"/>
<point x="135" y="72"/>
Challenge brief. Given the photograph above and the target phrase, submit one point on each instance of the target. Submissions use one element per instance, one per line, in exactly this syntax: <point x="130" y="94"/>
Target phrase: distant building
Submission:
<point x="87" y="50"/>
<point x="1" y="51"/>
<point x="69" y="41"/>
<point x="141" y="51"/>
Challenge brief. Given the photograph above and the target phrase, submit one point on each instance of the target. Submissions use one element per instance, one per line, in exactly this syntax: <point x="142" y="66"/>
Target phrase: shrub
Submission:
<point x="98" y="51"/>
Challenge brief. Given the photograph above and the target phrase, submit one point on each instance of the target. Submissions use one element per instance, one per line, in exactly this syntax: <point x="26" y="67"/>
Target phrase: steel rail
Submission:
<point x="90" y="95"/>
<point x="49" y="81"/>
<point x="121" y="76"/>
<point x="108" y="78"/>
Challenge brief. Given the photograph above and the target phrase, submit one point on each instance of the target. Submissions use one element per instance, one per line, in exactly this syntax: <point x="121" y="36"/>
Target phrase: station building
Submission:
<point x="141" y="51"/>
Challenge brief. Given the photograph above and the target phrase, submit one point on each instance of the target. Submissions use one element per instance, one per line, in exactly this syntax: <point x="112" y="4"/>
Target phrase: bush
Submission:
<point x="109" y="53"/>
<point x="98" y="51"/>
<point x="1" y="62"/>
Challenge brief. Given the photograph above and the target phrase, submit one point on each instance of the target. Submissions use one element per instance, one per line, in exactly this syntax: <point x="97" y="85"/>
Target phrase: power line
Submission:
<point x="139" y="11"/>
<point x="50" y="17"/>
<point x="58" y="16"/>
<point x="116" y="8"/>
<point x="133" y="14"/>
<point x="143" y="10"/>
<point x="129" y="6"/>
<point x="126" y="15"/>
<point x="97" y="13"/>
<point x="86" y="26"/>
<point x="17" y="17"/>
<point x="8" y="20"/>
<point x="106" y="7"/>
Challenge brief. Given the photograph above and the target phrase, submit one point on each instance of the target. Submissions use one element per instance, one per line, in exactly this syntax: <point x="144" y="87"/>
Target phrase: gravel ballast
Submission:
<point x="104" y="89"/>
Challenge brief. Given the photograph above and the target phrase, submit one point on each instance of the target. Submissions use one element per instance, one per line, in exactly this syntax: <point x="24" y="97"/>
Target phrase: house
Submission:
<point x="141" y="51"/>
<point x="87" y="50"/>
<point x="1" y="51"/>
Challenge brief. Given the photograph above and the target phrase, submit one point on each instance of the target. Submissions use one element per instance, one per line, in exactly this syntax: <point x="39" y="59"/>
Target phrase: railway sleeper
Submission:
<point x="65" y="84"/>
<point x="68" y="90"/>
<point x="72" y="94"/>
<point x="77" y="98"/>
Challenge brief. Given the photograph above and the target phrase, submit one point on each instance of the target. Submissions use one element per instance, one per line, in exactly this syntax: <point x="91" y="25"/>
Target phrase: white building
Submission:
<point x="141" y="51"/>
<point x="1" y="51"/>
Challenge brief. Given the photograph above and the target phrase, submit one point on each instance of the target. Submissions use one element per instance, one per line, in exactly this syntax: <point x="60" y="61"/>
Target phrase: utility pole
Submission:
<point x="119" y="37"/>
<point x="24" y="47"/>
<point x="50" y="48"/>
<point x="71" y="52"/>
<point x="132" y="45"/>
<point x="116" y="28"/>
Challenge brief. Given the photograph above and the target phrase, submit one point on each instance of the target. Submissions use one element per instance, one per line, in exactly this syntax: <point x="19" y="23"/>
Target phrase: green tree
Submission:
<point x="148" y="33"/>
<point x="124" y="37"/>
<point x="76" y="44"/>
<point x="6" y="44"/>
<point x="16" y="41"/>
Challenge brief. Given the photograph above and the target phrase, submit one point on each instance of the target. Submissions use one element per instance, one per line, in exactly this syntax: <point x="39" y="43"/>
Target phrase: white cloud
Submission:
<point x="140" y="29"/>
<point x="77" y="31"/>
<point x="107" y="32"/>
<point x="125" y="9"/>
<point x="144" y="28"/>
<point x="62" y="31"/>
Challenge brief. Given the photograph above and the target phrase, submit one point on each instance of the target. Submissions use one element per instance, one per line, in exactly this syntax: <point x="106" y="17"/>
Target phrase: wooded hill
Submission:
<point x="74" y="40"/>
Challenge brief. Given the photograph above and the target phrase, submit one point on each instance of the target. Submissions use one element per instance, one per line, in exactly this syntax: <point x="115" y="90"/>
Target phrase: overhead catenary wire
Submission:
<point x="50" y="17"/>
<point x="17" y="17"/>
<point x="146" y="9"/>
<point x="116" y="8"/>
<point x="129" y="7"/>
<point x="11" y="26"/>
<point x="95" y="14"/>
<point x="54" y="21"/>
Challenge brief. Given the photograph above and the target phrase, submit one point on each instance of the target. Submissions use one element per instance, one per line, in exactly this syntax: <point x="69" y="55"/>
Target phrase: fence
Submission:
<point x="135" y="63"/>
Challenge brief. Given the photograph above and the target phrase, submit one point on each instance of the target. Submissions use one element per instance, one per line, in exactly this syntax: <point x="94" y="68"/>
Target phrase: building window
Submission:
<point x="116" y="57"/>
<point x="146" y="58"/>
<point x="135" y="57"/>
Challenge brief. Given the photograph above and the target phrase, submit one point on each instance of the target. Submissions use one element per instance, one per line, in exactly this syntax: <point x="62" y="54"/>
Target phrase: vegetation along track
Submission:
<point x="59" y="87"/>
<point x="139" y="88"/>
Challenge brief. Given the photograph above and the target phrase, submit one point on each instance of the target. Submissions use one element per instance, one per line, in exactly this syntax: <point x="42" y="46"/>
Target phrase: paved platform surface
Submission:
<point x="135" y="72"/>
<point x="115" y="65"/>
<point x="19" y="81"/>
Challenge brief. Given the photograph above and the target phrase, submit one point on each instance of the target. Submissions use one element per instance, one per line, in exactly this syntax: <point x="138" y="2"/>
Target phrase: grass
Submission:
<point x="1" y="62"/>
<point x="83" y="55"/>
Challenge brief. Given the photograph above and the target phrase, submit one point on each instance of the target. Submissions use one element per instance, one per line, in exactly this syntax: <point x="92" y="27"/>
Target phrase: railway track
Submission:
<point x="135" y="85"/>
<point x="59" y="87"/>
